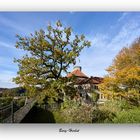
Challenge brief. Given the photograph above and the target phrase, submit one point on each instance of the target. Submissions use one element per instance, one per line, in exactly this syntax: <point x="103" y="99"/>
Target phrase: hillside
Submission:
<point x="12" y="91"/>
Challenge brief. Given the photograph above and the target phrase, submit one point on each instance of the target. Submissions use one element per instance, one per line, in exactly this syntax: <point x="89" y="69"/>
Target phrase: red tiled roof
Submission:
<point x="98" y="79"/>
<point x="77" y="73"/>
<point x="84" y="79"/>
<point x="91" y="80"/>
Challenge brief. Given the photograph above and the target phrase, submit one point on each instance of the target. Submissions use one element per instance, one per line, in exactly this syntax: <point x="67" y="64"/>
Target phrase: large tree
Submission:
<point x="123" y="77"/>
<point x="49" y="53"/>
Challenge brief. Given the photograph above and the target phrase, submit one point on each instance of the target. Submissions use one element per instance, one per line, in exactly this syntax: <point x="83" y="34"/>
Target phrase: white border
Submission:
<point x="43" y="131"/>
<point x="87" y="131"/>
<point x="69" y="5"/>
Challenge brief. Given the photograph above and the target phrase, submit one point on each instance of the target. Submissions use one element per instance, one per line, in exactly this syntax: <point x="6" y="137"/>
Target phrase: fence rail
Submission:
<point x="13" y="116"/>
<point x="5" y="112"/>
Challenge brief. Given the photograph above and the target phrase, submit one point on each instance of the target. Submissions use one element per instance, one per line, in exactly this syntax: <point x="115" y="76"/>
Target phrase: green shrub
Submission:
<point x="111" y="112"/>
<point x="102" y="116"/>
<point x="81" y="114"/>
<point x="20" y="102"/>
<point x="114" y="111"/>
<point x="59" y="118"/>
<point x="129" y="116"/>
<point x="5" y="101"/>
<point x="116" y="106"/>
<point x="95" y="96"/>
<point x="73" y="111"/>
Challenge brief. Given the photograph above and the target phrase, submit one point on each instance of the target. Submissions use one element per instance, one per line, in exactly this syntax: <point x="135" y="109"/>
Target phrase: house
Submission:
<point x="77" y="71"/>
<point x="84" y="84"/>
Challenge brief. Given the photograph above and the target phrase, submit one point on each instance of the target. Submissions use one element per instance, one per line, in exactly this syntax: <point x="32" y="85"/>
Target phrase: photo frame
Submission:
<point x="113" y="29"/>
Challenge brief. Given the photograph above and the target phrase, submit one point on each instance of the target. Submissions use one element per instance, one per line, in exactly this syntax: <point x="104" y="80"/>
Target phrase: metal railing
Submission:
<point x="7" y="111"/>
<point x="16" y="115"/>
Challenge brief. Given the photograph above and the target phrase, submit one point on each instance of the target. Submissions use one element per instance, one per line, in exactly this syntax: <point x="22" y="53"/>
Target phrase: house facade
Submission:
<point x="86" y="85"/>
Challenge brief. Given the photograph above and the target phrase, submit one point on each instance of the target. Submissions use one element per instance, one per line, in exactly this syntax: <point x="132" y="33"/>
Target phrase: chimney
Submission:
<point x="77" y="68"/>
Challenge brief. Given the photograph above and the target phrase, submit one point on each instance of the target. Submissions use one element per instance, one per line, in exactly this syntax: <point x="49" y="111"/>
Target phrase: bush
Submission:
<point x="59" y="118"/>
<point x="20" y="102"/>
<point x="5" y="101"/>
<point x="102" y="116"/>
<point x="73" y="112"/>
<point x="116" y="106"/>
<point x="129" y="116"/>
<point x="114" y="112"/>
<point x="81" y="114"/>
<point x="111" y="112"/>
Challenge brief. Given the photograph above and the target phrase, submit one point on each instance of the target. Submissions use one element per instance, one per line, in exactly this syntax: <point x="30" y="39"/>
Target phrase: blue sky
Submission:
<point x="108" y="32"/>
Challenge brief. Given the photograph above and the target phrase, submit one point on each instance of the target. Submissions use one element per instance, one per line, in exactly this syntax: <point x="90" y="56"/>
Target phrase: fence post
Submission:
<point x="12" y="111"/>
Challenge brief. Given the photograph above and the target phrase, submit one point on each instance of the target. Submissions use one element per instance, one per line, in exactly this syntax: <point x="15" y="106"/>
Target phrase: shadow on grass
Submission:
<point x="39" y="115"/>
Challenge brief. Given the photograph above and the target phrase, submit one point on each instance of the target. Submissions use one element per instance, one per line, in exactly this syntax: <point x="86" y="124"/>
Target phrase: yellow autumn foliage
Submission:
<point x="123" y="77"/>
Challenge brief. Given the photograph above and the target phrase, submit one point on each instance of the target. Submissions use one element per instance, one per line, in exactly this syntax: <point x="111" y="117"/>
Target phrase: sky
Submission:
<point x="108" y="32"/>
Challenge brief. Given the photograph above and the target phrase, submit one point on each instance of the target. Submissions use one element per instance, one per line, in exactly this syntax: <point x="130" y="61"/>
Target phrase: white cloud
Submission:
<point x="7" y="72"/>
<point x="127" y="34"/>
<point x="6" y="79"/>
<point x="105" y="46"/>
<point x="8" y="63"/>
<point x="99" y="40"/>
<point x="11" y="24"/>
<point x="7" y="45"/>
<point x="4" y="60"/>
<point x="123" y="16"/>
